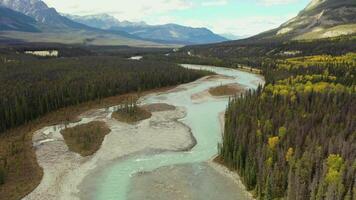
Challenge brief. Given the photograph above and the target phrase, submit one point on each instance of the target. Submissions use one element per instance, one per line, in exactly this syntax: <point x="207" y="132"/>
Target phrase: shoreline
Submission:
<point x="65" y="172"/>
<point x="243" y="69"/>
<point x="225" y="171"/>
<point x="33" y="173"/>
<point x="56" y="182"/>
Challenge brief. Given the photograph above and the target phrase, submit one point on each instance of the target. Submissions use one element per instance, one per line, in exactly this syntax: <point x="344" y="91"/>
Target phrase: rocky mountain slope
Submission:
<point x="14" y="21"/>
<point x="172" y="33"/>
<point x="320" y="19"/>
<point x="39" y="11"/>
<point x="102" y="21"/>
<point x="53" y="27"/>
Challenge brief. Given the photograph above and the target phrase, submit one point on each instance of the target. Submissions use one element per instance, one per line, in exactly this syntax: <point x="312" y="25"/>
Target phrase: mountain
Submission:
<point x="320" y="19"/>
<point x="171" y="33"/>
<point x="39" y="11"/>
<point x="97" y="29"/>
<point x="233" y="37"/>
<point x="174" y="33"/>
<point x="102" y="21"/>
<point x="14" y="21"/>
<point x="53" y="27"/>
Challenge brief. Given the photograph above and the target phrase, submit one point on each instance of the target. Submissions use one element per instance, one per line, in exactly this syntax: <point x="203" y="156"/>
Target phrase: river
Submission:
<point x="203" y="118"/>
<point x="156" y="159"/>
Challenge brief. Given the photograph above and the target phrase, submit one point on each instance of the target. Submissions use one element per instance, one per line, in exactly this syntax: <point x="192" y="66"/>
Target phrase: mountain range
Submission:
<point x="40" y="12"/>
<point x="14" y="21"/>
<point x="50" y="26"/>
<point x="34" y="21"/>
<point x="172" y="33"/>
<point x="102" y="21"/>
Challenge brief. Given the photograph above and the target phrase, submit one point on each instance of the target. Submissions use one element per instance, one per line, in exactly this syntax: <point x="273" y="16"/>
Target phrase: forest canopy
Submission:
<point x="295" y="138"/>
<point x="39" y="86"/>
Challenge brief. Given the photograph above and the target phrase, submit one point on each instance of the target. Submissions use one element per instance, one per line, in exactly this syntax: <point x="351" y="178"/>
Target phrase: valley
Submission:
<point x="180" y="140"/>
<point x="124" y="100"/>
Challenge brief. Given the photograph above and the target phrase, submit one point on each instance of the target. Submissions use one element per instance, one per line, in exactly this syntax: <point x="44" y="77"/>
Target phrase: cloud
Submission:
<point x="249" y="25"/>
<point x="276" y="2"/>
<point x="134" y="10"/>
<point x="164" y="11"/>
<point x="215" y="3"/>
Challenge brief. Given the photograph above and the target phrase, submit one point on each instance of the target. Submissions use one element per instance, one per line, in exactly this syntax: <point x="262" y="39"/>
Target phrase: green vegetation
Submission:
<point x="292" y="139"/>
<point x="336" y="69"/>
<point x="2" y="175"/>
<point x="249" y="52"/>
<point x="130" y="112"/>
<point x="225" y="90"/>
<point x="295" y="138"/>
<point x="39" y="86"/>
<point x="159" y="107"/>
<point x="36" y="92"/>
<point x="3" y="166"/>
<point x="85" y="139"/>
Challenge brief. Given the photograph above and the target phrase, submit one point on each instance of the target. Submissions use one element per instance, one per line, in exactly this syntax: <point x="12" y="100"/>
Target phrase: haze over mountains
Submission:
<point x="102" y="21"/>
<point x="50" y="26"/>
<point x="34" y="21"/>
<point x="172" y="33"/>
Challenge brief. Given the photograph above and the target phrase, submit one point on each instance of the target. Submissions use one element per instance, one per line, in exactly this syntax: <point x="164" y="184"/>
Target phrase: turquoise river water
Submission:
<point x="113" y="182"/>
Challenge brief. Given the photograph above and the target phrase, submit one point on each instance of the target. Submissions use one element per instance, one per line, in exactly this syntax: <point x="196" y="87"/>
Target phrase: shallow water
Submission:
<point x="113" y="181"/>
<point x="197" y="181"/>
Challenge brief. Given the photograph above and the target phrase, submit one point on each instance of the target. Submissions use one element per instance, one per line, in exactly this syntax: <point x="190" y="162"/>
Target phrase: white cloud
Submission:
<point x="135" y="10"/>
<point x="215" y="3"/>
<point x="159" y="12"/>
<point x="245" y="26"/>
<point x="276" y="2"/>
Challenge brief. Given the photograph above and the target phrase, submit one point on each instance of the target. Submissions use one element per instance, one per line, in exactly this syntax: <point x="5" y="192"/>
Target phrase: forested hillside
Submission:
<point x="251" y="53"/>
<point x="295" y="138"/>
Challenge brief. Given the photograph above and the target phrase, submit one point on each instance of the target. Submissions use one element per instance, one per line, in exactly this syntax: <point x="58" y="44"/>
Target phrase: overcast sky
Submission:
<point x="238" y="17"/>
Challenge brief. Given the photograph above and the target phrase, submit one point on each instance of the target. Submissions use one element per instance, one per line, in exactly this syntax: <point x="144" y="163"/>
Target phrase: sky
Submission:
<point x="238" y="17"/>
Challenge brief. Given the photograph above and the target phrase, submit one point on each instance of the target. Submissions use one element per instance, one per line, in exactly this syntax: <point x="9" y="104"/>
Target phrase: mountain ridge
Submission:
<point x="320" y="19"/>
<point x="102" y="21"/>
<point x="11" y="20"/>
<point x="39" y="11"/>
<point x="53" y="27"/>
<point x="166" y="32"/>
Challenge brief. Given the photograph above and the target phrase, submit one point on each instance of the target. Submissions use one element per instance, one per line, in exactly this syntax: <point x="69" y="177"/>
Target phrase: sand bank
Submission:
<point x="64" y="170"/>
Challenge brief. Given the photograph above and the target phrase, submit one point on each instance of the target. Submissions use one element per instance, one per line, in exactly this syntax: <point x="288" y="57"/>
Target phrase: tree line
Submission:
<point x="32" y="87"/>
<point x="295" y="138"/>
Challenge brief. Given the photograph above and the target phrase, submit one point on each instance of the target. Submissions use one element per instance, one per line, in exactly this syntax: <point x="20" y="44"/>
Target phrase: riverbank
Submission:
<point x="16" y="187"/>
<point x="85" y="139"/>
<point x="249" y="69"/>
<point x="193" y="178"/>
<point x="195" y="181"/>
<point x="219" y="92"/>
<point x="162" y="140"/>
<point x="64" y="170"/>
<point x="232" y="175"/>
<point x="226" y="90"/>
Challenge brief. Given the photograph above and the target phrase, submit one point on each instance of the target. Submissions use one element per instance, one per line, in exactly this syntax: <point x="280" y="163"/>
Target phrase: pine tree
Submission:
<point x="2" y="175"/>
